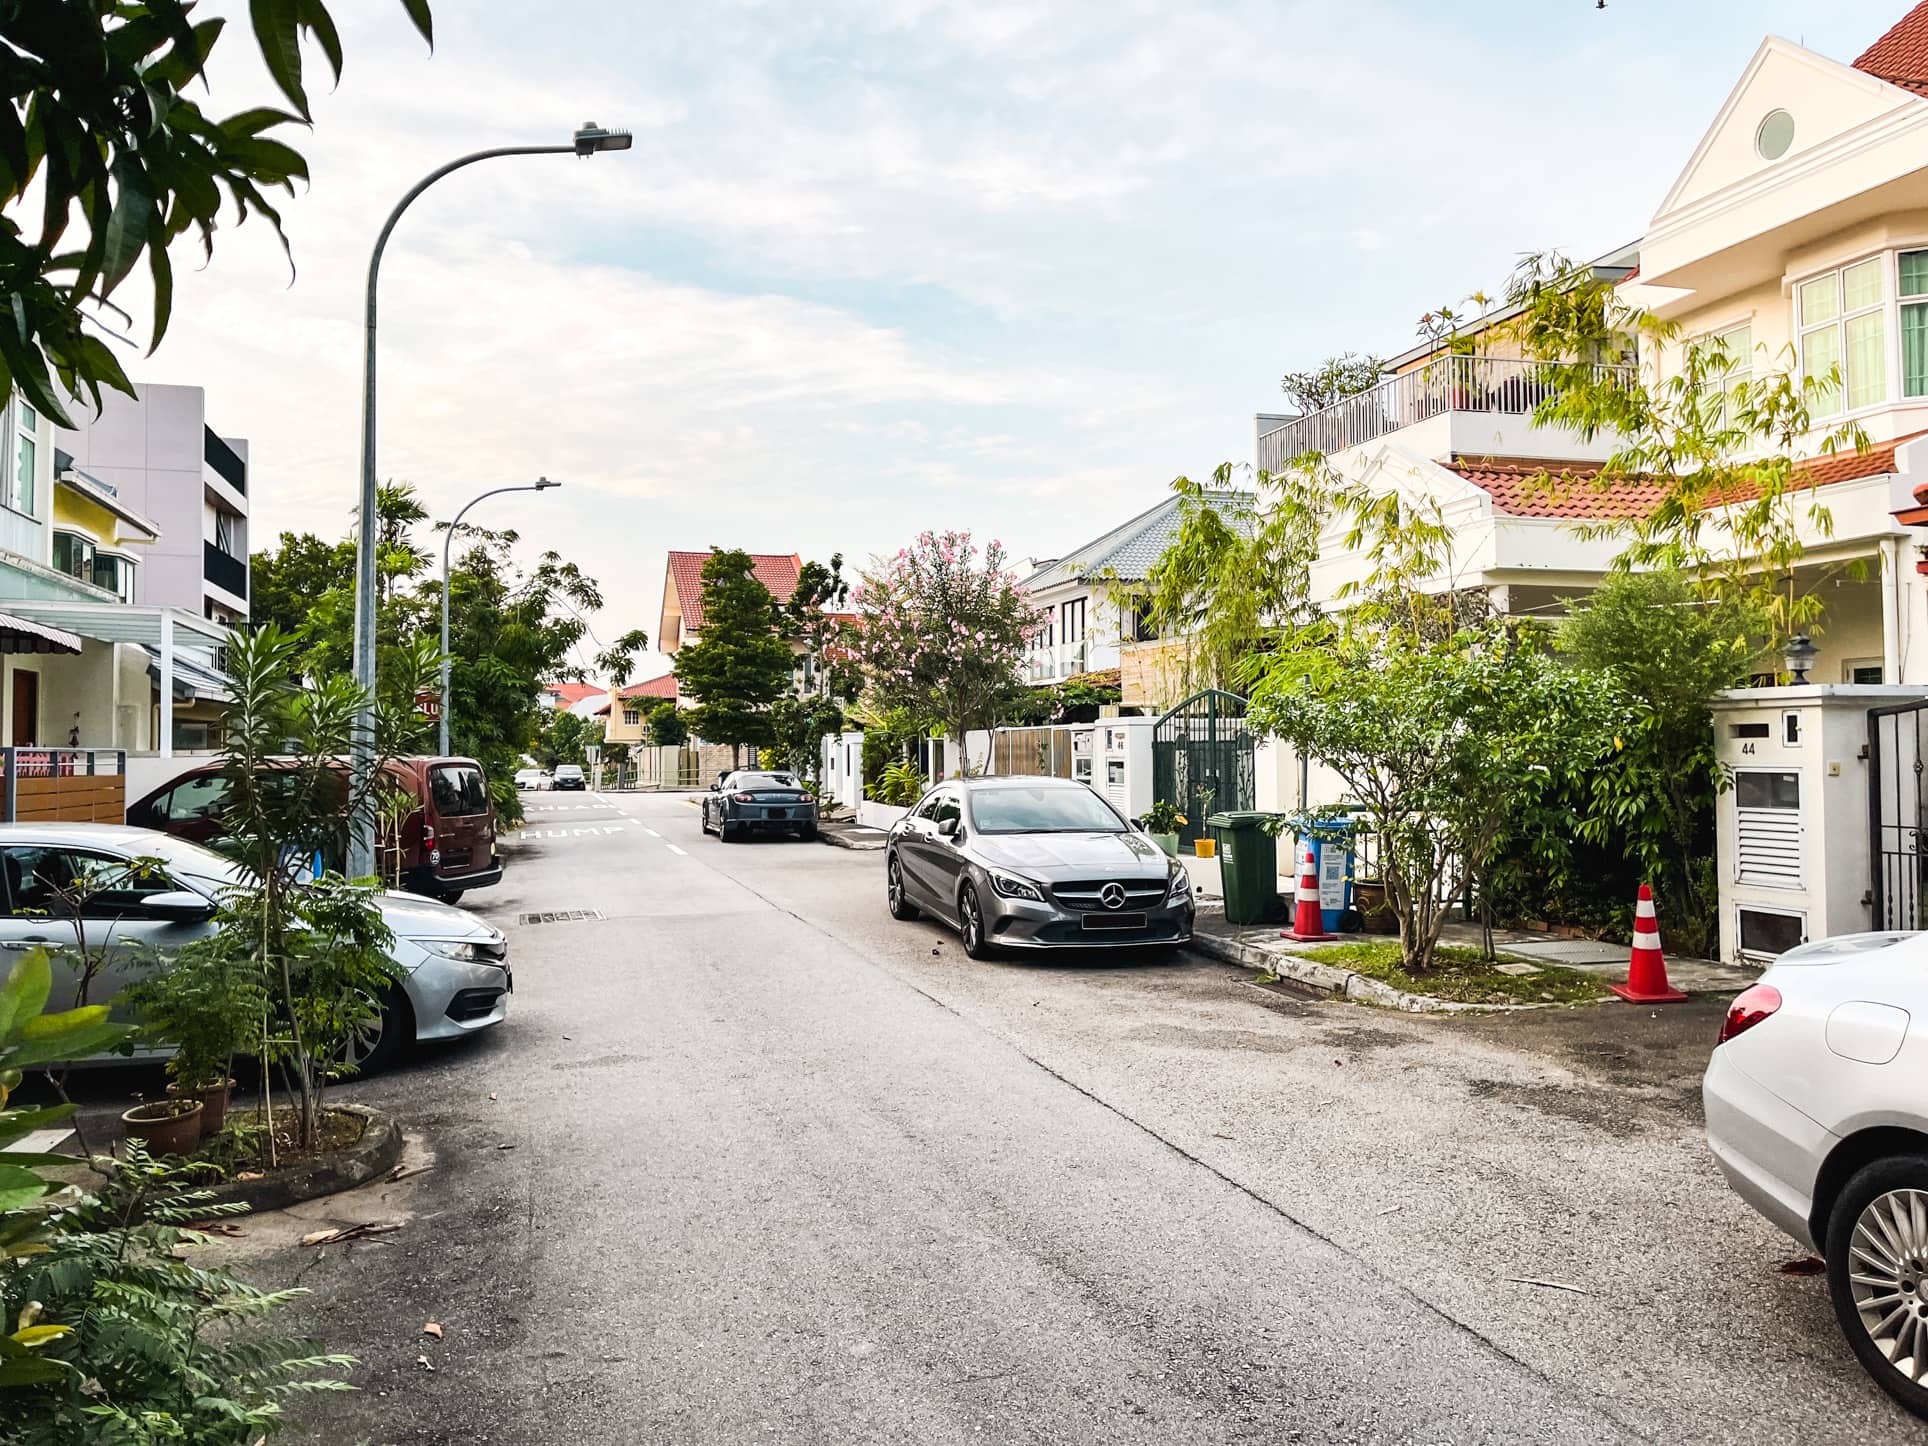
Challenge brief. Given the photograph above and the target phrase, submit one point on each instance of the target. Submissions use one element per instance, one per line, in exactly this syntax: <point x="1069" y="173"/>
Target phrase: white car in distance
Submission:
<point x="1817" y="1112"/>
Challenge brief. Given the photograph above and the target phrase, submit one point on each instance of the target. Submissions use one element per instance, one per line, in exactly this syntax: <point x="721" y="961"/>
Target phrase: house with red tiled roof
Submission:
<point x="567" y="695"/>
<point x="1797" y="232"/>
<point x="628" y="709"/>
<point x="682" y="612"/>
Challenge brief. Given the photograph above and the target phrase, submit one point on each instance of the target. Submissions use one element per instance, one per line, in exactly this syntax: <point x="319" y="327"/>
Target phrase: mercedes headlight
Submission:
<point x="1181" y="886"/>
<point x="469" y="951"/>
<point x="1016" y="888"/>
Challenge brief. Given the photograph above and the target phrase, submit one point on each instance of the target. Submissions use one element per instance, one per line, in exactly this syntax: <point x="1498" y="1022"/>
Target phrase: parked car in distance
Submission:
<point x="444" y="849"/>
<point x="1033" y="863"/>
<point x="453" y="969"/>
<point x="532" y="778"/>
<point x="1817" y="1112"/>
<point x="757" y="801"/>
<point x="568" y="775"/>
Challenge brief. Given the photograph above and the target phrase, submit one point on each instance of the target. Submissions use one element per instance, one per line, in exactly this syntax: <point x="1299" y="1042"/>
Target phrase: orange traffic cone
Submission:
<point x="1308" y="924"/>
<point x="1647" y="969"/>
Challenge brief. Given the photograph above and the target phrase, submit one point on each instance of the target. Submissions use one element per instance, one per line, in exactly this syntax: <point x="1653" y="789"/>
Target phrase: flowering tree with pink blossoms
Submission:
<point x="943" y="630"/>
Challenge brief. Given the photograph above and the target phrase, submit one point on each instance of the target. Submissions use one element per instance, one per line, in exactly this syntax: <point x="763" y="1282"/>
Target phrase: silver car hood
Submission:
<point x="1072" y="855"/>
<point x="410" y="917"/>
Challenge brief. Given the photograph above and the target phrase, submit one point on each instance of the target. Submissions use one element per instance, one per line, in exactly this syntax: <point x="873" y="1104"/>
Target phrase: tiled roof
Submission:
<point x="778" y="571"/>
<point x="1571" y="492"/>
<point x="1901" y="56"/>
<point x="663" y="687"/>
<point x="570" y="694"/>
<point x="1128" y="551"/>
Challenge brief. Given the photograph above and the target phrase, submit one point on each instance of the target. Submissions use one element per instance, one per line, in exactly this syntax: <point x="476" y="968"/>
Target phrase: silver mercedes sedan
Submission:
<point x="1034" y="863"/>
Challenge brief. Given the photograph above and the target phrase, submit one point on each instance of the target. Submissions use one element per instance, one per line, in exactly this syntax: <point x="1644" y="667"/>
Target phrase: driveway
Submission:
<point x="761" y="1164"/>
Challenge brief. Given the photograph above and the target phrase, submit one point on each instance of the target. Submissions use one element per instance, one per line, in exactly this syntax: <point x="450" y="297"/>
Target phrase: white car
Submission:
<point x="1817" y="1112"/>
<point x="527" y="778"/>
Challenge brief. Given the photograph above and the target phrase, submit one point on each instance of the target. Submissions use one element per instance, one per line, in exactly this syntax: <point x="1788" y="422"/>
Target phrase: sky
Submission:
<point x="889" y="265"/>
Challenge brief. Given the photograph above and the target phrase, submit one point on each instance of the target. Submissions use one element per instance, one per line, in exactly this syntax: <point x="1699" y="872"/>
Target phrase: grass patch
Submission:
<point x="1462" y="976"/>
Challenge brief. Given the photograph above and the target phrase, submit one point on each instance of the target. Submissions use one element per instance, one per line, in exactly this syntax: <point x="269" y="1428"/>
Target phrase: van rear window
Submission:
<point x="458" y="788"/>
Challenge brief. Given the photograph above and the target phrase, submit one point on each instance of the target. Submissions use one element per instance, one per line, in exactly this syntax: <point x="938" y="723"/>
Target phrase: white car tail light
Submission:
<point x="1749" y="1008"/>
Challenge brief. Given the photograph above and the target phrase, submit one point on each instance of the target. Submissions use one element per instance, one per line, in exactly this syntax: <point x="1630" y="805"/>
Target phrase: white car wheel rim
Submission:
<point x="1888" y="1273"/>
<point x="896" y="885"/>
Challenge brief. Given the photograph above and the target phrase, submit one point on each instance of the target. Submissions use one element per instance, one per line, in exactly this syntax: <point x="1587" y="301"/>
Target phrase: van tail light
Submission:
<point x="428" y="843"/>
<point x="1749" y="1008"/>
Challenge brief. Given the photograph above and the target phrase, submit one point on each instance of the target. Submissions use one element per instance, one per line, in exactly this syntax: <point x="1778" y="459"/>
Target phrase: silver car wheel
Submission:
<point x="894" y="886"/>
<point x="1888" y="1272"/>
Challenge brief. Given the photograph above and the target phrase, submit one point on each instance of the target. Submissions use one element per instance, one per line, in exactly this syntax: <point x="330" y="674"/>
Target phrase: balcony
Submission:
<point x="223" y="459"/>
<point x="230" y="574"/>
<point x="1444" y="387"/>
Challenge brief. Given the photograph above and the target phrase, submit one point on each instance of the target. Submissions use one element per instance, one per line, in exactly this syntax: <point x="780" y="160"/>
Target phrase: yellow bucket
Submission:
<point x="1205" y="847"/>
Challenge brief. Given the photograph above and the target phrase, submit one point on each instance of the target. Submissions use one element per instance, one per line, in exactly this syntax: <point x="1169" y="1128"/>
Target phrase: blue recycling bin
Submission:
<point x="1332" y="865"/>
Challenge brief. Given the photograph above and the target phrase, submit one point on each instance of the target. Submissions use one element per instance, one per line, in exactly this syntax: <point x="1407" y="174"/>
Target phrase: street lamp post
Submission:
<point x="541" y="484"/>
<point x="587" y="140"/>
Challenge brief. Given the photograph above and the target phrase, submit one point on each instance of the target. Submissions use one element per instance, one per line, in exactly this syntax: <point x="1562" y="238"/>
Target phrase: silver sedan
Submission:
<point x="452" y="969"/>
<point x="1034" y="863"/>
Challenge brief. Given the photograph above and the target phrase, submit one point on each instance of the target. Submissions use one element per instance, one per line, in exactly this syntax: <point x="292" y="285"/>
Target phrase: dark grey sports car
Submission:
<point x="745" y="802"/>
<point x="1033" y="863"/>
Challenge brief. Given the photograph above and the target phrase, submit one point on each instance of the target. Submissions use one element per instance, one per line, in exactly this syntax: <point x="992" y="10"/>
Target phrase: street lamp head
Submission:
<point x="1799" y="656"/>
<point x="591" y="138"/>
<point x="544" y="482"/>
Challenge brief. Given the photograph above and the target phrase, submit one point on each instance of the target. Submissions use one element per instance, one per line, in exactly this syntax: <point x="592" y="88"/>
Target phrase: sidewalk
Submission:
<point x="1259" y="946"/>
<point x="847" y="833"/>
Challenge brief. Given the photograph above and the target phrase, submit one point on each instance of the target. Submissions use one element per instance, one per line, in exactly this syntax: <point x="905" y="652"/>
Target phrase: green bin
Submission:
<point x="1248" y="861"/>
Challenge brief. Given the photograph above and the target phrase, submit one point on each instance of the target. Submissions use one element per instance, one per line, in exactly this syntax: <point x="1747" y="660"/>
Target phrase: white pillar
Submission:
<point x="1891" y="557"/>
<point x="166" y="745"/>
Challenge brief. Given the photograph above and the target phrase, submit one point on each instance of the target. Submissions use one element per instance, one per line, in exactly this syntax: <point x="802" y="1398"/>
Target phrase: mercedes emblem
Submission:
<point x="1112" y="896"/>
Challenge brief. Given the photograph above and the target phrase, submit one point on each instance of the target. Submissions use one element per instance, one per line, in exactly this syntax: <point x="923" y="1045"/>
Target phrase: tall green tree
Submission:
<point x="740" y="662"/>
<point x="103" y="132"/>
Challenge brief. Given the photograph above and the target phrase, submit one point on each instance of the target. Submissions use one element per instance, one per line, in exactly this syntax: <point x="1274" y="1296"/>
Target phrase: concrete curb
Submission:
<point x="841" y="839"/>
<point x="1335" y="982"/>
<point x="375" y="1153"/>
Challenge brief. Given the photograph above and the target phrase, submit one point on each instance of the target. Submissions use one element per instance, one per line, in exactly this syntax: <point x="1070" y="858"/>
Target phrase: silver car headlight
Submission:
<point x="1181" y="886"/>
<point x="469" y="951"/>
<point x="1012" y="887"/>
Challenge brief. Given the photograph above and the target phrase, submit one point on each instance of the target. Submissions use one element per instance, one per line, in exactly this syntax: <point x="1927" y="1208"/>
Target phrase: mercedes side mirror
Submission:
<point x="178" y="906"/>
<point x="947" y="828"/>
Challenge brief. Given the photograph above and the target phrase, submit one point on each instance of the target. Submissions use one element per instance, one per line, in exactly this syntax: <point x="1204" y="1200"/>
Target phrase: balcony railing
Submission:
<point x="225" y="461"/>
<point x="230" y="574"/>
<point x="1449" y="384"/>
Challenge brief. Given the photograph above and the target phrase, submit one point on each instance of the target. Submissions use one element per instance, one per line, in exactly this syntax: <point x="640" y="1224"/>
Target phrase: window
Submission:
<point x="1769" y="931"/>
<point x="947" y="807"/>
<point x="632" y="717"/>
<point x="74" y="555"/>
<point x="1862" y="670"/>
<point x="1774" y="135"/>
<point x="224" y="533"/>
<point x="115" y="573"/>
<point x="194" y="800"/>
<point x="46" y="883"/>
<point x="1912" y="283"/>
<point x="1074" y="621"/>
<point x="458" y="789"/>
<point x="1726" y="375"/>
<point x="20" y="488"/>
<point x="1843" y="324"/>
<point x="1020" y="809"/>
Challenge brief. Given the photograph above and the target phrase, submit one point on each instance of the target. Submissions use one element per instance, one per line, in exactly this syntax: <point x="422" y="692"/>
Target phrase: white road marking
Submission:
<point x="675" y="850"/>
<point x="651" y="832"/>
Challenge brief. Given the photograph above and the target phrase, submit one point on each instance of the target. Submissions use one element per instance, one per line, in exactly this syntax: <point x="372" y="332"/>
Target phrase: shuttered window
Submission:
<point x="1769" y="809"/>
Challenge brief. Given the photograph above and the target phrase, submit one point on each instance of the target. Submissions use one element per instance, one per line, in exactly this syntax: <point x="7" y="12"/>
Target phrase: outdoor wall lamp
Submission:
<point x="1798" y="656"/>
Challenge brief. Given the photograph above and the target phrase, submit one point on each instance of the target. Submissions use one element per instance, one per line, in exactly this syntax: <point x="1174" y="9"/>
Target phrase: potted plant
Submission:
<point x="1203" y="846"/>
<point x="1162" y="822"/>
<point x="208" y="1004"/>
<point x="167" y="1127"/>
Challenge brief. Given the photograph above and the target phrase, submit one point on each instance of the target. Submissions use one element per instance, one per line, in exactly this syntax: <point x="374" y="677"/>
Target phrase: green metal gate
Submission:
<point x="1201" y="758"/>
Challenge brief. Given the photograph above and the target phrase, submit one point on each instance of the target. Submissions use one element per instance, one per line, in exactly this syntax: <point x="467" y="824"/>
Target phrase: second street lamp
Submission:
<point x="541" y="484"/>
<point x="588" y="139"/>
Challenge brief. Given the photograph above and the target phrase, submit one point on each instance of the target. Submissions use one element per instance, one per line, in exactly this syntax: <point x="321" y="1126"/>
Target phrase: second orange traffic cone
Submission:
<point x="1647" y="968"/>
<point x="1308" y="923"/>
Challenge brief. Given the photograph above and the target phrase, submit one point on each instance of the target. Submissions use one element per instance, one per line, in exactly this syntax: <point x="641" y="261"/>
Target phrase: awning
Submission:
<point x="108" y="622"/>
<point x="192" y="680"/>
<point x="103" y="495"/>
<point x="23" y="635"/>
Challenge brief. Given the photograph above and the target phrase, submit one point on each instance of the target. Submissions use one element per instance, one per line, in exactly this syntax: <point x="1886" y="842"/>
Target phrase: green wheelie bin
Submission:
<point x="1248" y="864"/>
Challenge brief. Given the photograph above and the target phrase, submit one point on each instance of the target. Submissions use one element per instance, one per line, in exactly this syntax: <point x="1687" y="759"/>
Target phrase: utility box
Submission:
<point x="1794" y="834"/>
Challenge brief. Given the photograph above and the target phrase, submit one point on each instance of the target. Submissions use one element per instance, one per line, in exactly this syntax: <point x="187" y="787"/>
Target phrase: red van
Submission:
<point x="447" y="845"/>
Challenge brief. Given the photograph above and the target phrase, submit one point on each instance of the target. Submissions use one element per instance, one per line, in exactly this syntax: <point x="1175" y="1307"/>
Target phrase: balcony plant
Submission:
<point x="1162" y="822"/>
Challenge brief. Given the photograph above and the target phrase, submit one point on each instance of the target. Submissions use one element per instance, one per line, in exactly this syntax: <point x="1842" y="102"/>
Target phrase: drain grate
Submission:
<point x="559" y="916"/>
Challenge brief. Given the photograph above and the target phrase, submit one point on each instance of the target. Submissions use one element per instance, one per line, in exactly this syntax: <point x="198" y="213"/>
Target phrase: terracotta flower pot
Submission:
<point x="214" y="1105"/>
<point x="168" y="1127"/>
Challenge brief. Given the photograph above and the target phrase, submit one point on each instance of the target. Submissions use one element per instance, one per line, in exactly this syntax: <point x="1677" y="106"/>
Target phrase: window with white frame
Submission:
<point x="1074" y="621"/>
<point x="1843" y="323"/>
<point x="1911" y="277"/>
<point x="20" y="475"/>
<point x="1728" y="373"/>
<point x="632" y="716"/>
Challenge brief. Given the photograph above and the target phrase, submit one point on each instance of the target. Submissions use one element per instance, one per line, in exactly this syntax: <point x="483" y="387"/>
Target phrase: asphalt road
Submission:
<point x="751" y="1162"/>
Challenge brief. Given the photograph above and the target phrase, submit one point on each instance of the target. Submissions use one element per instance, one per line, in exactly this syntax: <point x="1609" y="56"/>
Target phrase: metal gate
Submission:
<point x="1201" y="758"/>
<point x="1896" y="815"/>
